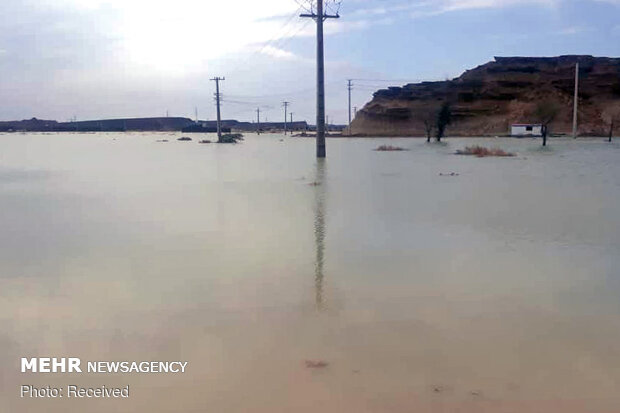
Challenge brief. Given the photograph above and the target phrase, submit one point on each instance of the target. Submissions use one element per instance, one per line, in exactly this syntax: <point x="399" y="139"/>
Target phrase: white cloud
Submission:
<point x="174" y="38"/>
<point x="450" y="5"/>
<point x="569" y="31"/>
<point x="396" y="7"/>
<point x="426" y="8"/>
<point x="111" y="58"/>
<point x="278" y="53"/>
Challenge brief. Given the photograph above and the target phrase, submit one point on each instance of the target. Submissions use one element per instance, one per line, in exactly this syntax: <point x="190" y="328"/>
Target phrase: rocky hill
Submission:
<point x="488" y="99"/>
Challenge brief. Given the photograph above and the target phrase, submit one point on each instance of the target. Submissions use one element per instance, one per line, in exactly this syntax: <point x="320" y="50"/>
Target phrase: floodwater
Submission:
<point x="495" y="289"/>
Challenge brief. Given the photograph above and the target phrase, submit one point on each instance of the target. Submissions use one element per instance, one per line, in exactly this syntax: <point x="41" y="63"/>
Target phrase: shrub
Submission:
<point x="481" y="151"/>
<point x="388" y="148"/>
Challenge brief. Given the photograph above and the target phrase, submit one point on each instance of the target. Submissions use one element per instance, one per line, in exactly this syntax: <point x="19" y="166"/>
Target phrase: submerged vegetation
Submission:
<point x="481" y="151"/>
<point x="612" y="117"/>
<point x="546" y="112"/>
<point x="316" y="364"/>
<point x="444" y="118"/>
<point x="230" y="138"/>
<point x="390" y="148"/>
<point x="436" y="119"/>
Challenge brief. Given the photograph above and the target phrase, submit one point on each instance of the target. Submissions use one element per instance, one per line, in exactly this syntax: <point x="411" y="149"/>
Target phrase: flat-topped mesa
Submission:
<point x="570" y="59"/>
<point x="486" y="100"/>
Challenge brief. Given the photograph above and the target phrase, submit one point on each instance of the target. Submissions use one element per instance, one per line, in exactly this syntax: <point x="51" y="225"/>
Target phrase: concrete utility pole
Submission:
<point x="285" y="104"/>
<point x="319" y="17"/>
<point x="258" y="121"/>
<point x="576" y="99"/>
<point x="291" y="115"/>
<point x="217" y="100"/>
<point x="196" y="113"/>
<point x="349" y="87"/>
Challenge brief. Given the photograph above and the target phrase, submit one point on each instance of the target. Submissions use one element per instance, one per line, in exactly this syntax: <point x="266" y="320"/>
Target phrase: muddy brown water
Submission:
<point x="372" y="282"/>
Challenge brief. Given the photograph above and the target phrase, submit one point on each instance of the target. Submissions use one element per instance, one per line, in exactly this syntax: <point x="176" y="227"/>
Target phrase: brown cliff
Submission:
<point x="488" y="99"/>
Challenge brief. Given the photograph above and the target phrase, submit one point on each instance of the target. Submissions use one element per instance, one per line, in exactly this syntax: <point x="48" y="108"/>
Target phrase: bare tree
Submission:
<point x="429" y="119"/>
<point x="546" y="112"/>
<point x="429" y="125"/>
<point x="611" y="117"/>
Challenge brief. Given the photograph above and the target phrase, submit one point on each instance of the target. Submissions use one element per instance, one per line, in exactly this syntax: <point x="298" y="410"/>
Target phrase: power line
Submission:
<point x="303" y="5"/>
<point x="279" y="34"/>
<point x="236" y="102"/>
<point x="287" y="93"/>
<point x="389" y="80"/>
<point x="283" y="40"/>
<point x="333" y="6"/>
<point x="369" y="88"/>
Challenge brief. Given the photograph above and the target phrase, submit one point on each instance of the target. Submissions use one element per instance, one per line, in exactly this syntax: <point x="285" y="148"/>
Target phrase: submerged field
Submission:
<point x="395" y="281"/>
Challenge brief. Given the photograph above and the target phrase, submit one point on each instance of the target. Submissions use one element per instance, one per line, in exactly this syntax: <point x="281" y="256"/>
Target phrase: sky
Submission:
<point x="99" y="59"/>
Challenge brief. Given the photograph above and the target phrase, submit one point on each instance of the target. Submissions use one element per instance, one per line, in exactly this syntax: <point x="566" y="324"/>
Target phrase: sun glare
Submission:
<point x="176" y="38"/>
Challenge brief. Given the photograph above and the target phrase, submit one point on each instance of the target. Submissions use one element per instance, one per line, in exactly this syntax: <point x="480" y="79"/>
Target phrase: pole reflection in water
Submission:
<point x="319" y="230"/>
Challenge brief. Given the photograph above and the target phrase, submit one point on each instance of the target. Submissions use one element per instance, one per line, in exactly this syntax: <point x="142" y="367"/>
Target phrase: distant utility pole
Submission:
<point x="217" y="100"/>
<point x="291" y="115"/>
<point x="354" y="111"/>
<point x="576" y="99"/>
<point x="319" y="17"/>
<point x="285" y="104"/>
<point x="258" y="121"/>
<point x="349" y="87"/>
<point x="196" y="113"/>
<point x="166" y="113"/>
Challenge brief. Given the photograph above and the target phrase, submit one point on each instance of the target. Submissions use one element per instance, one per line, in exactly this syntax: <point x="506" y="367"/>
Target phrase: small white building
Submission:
<point x="526" y="129"/>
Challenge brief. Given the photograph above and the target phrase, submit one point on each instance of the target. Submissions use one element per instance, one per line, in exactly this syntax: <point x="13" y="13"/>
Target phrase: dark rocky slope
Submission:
<point x="488" y="99"/>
